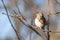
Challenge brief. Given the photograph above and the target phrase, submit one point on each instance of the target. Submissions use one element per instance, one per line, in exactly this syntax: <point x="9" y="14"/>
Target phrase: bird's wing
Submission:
<point x="44" y="20"/>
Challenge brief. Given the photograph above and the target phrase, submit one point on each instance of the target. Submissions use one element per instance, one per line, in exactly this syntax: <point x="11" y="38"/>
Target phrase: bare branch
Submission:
<point x="26" y="24"/>
<point x="23" y="20"/>
<point x="57" y="2"/>
<point x="30" y="29"/>
<point x="32" y="6"/>
<point x="29" y="25"/>
<point x="58" y="13"/>
<point x="19" y="10"/>
<point x="48" y="35"/>
<point x="10" y="20"/>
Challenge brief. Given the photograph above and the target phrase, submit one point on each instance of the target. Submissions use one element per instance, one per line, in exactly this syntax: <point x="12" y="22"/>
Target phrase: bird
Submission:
<point x="40" y="21"/>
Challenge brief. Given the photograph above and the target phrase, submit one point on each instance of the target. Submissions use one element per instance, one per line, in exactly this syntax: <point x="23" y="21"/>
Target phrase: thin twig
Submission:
<point x="10" y="20"/>
<point x="32" y="6"/>
<point x="26" y="24"/>
<point x="30" y="29"/>
<point x="57" y="2"/>
<point x="19" y="10"/>
<point x="48" y="35"/>
<point x="58" y="13"/>
<point x="15" y="16"/>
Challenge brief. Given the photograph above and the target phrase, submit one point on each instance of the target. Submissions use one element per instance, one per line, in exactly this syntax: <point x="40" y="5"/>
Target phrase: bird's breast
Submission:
<point x="38" y="23"/>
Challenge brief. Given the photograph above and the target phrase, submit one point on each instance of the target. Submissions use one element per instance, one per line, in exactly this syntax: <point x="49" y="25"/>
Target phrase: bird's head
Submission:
<point x="39" y="15"/>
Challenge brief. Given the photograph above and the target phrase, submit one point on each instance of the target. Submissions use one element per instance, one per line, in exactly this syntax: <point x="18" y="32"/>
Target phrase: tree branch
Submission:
<point x="10" y="20"/>
<point x="29" y="25"/>
<point x="19" y="10"/>
<point x="58" y="13"/>
<point x="48" y="35"/>
<point x="26" y="24"/>
<point x="57" y="2"/>
<point x="32" y="6"/>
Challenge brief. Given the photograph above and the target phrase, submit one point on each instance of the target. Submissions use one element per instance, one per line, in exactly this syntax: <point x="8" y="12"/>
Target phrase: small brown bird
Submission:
<point x="40" y="21"/>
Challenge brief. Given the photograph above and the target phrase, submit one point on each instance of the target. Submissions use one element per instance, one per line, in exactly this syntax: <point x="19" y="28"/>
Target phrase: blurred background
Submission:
<point x="27" y="8"/>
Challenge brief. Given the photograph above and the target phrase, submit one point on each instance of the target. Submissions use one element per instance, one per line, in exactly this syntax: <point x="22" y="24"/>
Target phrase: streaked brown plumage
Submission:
<point x="40" y="20"/>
